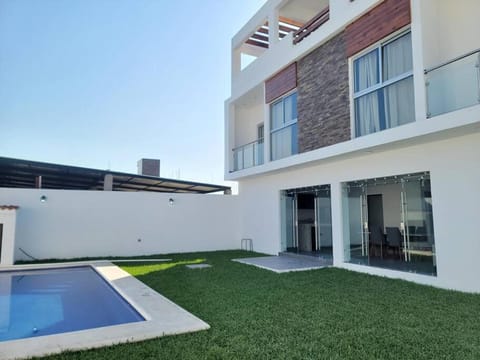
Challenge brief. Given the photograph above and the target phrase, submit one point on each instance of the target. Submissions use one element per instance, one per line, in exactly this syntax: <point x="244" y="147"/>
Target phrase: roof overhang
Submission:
<point x="16" y="173"/>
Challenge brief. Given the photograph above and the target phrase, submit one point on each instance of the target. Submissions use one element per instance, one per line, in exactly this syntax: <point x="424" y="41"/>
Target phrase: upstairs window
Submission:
<point x="383" y="86"/>
<point x="283" y="125"/>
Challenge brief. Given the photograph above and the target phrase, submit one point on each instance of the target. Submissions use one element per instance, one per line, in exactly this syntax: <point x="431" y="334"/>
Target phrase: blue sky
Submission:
<point x="103" y="83"/>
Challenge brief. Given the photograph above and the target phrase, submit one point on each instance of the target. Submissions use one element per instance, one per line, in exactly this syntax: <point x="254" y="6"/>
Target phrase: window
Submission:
<point x="383" y="87"/>
<point x="260" y="131"/>
<point x="283" y="125"/>
<point x="259" y="151"/>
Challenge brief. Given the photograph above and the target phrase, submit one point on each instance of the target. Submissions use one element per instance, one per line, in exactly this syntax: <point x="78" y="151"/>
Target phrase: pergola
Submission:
<point x="16" y="173"/>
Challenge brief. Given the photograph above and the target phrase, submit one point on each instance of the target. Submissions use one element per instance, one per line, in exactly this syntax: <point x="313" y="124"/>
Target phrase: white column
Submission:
<point x="229" y="135"/>
<point x="337" y="224"/>
<point x="273" y="35"/>
<point x="8" y="218"/>
<point x="418" y="63"/>
<point x="108" y="182"/>
<point x="236" y="63"/>
<point x="266" y="130"/>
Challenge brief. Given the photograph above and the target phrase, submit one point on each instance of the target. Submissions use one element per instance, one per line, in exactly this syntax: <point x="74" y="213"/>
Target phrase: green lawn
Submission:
<point x="321" y="314"/>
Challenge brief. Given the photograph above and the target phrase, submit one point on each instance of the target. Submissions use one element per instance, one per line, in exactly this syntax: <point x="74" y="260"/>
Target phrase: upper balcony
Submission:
<point x="451" y="52"/>
<point x="246" y="146"/>
<point x="283" y="30"/>
<point x="453" y="85"/>
<point x="296" y="17"/>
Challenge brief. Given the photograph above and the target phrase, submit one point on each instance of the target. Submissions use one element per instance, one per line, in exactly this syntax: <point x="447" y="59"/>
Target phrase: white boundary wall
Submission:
<point x="71" y="224"/>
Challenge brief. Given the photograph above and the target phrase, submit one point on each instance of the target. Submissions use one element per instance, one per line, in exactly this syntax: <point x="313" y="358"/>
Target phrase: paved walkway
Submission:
<point x="282" y="264"/>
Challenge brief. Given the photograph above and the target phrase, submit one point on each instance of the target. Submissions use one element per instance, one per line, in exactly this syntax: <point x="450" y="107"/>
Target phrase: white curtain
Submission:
<point x="277" y="115"/>
<point x="366" y="69"/>
<point x="367" y="114"/>
<point x="282" y="143"/>
<point x="397" y="57"/>
<point x="399" y="103"/>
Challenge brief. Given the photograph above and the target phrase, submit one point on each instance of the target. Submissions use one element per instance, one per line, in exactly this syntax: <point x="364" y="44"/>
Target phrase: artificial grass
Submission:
<point x="320" y="314"/>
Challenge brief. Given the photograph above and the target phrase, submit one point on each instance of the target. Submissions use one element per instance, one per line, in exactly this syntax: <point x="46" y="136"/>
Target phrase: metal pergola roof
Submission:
<point x="16" y="173"/>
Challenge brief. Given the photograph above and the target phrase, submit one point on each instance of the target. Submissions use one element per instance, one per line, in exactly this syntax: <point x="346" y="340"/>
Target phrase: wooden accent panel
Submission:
<point x="290" y="21"/>
<point x="281" y="83"/>
<point x="389" y="16"/>
<point x="259" y="37"/>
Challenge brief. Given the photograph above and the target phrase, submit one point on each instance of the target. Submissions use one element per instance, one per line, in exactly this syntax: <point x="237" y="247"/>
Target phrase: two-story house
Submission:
<point x="353" y="130"/>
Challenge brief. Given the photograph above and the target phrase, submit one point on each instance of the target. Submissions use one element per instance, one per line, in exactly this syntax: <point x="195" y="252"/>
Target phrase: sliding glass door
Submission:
<point x="306" y="221"/>
<point x="357" y="220"/>
<point x="388" y="223"/>
<point x="419" y="241"/>
<point x="323" y="220"/>
<point x="289" y="222"/>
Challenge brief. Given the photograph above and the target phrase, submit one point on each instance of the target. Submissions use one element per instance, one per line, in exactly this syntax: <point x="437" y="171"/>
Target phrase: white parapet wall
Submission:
<point x="70" y="224"/>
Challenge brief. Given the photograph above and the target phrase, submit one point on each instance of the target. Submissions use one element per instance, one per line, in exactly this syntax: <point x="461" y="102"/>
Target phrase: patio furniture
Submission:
<point x="246" y="244"/>
<point x="377" y="240"/>
<point x="394" y="240"/>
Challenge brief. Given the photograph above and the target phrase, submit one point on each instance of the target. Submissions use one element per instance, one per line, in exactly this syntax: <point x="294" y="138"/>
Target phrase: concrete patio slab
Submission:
<point x="198" y="266"/>
<point x="283" y="264"/>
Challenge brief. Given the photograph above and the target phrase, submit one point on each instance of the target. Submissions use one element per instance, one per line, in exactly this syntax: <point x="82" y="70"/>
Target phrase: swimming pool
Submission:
<point x="51" y="301"/>
<point x="161" y="316"/>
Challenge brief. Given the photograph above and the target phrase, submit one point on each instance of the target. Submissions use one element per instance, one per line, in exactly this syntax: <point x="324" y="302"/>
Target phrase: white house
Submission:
<point x="353" y="129"/>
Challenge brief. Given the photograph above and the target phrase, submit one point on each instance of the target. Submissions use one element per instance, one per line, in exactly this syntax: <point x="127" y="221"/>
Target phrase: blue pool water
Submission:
<point x="51" y="301"/>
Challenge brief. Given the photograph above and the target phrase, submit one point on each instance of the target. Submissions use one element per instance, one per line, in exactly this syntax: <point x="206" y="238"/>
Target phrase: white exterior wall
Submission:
<point x="72" y="224"/>
<point x="454" y="166"/>
<point x="247" y="119"/>
<point x="450" y="29"/>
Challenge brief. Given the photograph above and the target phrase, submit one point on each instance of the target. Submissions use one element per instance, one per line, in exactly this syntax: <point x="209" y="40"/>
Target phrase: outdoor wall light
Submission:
<point x="171" y="201"/>
<point x="43" y="198"/>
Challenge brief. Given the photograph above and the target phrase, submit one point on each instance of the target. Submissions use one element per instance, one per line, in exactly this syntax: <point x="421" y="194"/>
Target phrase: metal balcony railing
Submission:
<point x="454" y="84"/>
<point x="248" y="155"/>
<point x="312" y="25"/>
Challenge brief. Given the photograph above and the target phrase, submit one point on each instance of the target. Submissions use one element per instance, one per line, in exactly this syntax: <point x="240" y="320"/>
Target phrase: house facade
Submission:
<point x="353" y="130"/>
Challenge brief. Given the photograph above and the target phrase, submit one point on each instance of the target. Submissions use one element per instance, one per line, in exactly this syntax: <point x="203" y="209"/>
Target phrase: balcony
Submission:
<point x="291" y="19"/>
<point x="248" y="155"/>
<point x="453" y="85"/>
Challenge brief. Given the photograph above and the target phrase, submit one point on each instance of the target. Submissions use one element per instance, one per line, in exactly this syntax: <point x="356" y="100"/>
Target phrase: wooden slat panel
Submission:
<point x="262" y="30"/>
<point x="281" y="83"/>
<point x="256" y="43"/>
<point x="290" y="21"/>
<point x="384" y="19"/>
<point x="259" y="37"/>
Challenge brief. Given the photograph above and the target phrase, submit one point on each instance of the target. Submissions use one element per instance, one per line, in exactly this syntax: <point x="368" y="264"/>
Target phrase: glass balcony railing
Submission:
<point x="248" y="155"/>
<point x="453" y="85"/>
